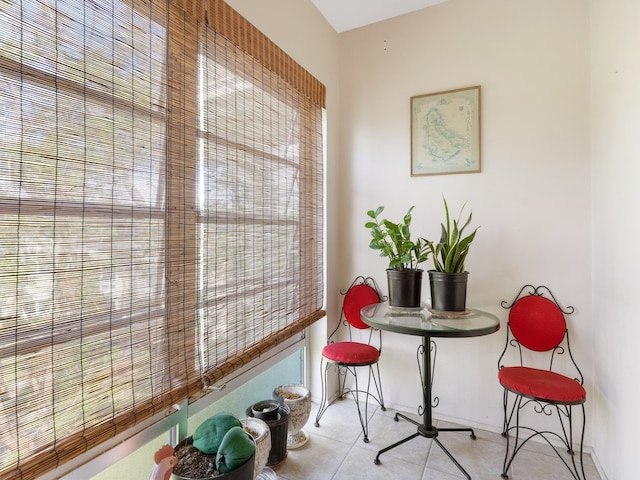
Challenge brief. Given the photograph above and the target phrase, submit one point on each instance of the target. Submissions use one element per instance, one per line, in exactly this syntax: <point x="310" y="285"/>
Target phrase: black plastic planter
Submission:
<point x="279" y="429"/>
<point x="448" y="291"/>
<point x="405" y="287"/>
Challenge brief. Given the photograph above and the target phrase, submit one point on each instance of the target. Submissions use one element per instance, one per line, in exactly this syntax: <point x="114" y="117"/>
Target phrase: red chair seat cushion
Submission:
<point x="542" y="385"/>
<point x="351" y="353"/>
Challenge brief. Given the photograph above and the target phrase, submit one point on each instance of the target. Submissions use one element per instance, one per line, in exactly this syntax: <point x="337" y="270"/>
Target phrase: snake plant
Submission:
<point x="451" y="251"/>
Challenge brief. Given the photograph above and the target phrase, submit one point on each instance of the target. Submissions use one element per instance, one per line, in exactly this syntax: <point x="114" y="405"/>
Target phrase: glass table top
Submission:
<point x="426" y="322"/>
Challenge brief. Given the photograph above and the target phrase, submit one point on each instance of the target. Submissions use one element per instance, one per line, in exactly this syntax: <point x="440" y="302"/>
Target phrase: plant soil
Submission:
<point x="252" y="432"/>
<point x="290" y="395"/>
<point x="192" y="463"/>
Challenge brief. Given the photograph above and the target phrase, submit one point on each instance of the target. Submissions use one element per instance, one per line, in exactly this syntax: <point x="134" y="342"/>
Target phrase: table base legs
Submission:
<point x="428" y="432"/>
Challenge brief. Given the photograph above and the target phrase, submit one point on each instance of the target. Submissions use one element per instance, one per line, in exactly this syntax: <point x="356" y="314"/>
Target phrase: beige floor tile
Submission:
<point x="385" y="431"/>
<point x="545" y="449"/>
<point x="359" y="466"/>
<point x="430" y="474"/>
<point x="319" y="459"/>
<point x="336" y="451"/>
<point x="481" y="458"/>
<point x="529" y="465"/>
<point x="340" y="421"/>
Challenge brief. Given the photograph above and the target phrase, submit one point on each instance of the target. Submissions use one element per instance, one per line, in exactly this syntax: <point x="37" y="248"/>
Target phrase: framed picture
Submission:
<point x="445" y="132"/>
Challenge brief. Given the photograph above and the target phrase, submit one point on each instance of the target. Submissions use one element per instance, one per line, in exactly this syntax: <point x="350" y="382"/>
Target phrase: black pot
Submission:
<point x="266" y="410"/>
<point x="448" y="291"/>
<point x="279" y="429"/>
<point x="405" y="287"/>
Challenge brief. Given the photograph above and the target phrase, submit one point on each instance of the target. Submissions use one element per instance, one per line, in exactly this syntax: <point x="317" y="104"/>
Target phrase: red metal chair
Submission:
<point x="537" y="324"/>
<point x="350" y="355"/>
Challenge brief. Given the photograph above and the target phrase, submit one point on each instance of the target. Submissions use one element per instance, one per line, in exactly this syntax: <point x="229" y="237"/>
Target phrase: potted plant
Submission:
<point x="220" y="448"/>
<point x="394" y="241"/>
<point x="298" y="398"/>
<point x="448" y="280"/>
<point x="261" y="434"/>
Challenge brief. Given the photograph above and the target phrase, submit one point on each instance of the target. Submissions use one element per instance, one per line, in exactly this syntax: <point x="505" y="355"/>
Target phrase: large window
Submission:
<point x="159" y="227"/>
<point x="258" y="193"/>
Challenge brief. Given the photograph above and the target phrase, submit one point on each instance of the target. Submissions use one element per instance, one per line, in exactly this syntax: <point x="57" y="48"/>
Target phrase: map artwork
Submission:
<point x="445" y="132"/>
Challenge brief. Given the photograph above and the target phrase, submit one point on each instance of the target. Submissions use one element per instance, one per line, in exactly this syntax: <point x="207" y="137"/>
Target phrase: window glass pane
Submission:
<point x="249" y="203"/>
<point x="139" y="464"/>
<point x="82" y="220"/>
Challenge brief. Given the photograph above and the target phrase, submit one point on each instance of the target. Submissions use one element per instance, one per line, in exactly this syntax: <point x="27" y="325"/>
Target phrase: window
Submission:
<point x="148" y="247"/>
<point x="257" y="186"/>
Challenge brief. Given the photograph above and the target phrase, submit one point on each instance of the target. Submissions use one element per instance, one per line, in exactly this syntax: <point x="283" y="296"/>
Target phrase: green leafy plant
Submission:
<point x="393" y="240"/>
<point x="451" y="251"/>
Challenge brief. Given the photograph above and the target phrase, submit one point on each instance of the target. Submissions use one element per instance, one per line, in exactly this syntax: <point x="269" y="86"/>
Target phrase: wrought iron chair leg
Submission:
<point x="363" y="422"/>
<point x="378" y="384"/>
<point x="508" y="459"/>
<point x="574" y="471"/>
<point x="584" y="418"/>
<point x="566" y="411"/>
<point x="505" y="431"/>
<point x="342" y="379"/>
<point x="324" y="401"/>
<point x="323" y="395"/>
<point x="505" y="424"/>
<point x="567" y="438"/>
<point x="342" y="391"/>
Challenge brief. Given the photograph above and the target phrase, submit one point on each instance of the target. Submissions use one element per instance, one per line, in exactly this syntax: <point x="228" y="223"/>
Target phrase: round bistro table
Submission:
<point x="428" y="324"/>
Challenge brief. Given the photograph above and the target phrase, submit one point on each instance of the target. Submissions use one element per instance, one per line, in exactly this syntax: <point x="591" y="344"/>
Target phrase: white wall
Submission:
<point x="615" y="116"/>
<point x="532" y="198"/>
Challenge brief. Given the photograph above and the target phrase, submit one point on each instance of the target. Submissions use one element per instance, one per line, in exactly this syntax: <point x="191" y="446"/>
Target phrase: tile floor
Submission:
<point x="335" y="451"/>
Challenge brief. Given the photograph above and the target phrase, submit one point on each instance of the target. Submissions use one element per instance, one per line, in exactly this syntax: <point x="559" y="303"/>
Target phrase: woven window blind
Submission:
<point x="260" y="185"/>
<point x="158" y="229"/>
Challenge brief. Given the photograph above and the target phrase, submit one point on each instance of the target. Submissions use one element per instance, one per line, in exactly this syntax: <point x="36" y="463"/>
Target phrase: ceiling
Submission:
<point x="346" y="15"/>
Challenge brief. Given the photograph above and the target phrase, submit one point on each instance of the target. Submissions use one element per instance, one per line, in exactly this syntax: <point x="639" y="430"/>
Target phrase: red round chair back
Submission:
<point x="358" y="297"/>
<point x="537" y="323"/>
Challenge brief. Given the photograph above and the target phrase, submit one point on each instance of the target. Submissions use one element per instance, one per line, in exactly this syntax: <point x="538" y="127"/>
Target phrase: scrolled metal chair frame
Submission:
<point x="563" y="411"/>
<point x="344" y="370"/>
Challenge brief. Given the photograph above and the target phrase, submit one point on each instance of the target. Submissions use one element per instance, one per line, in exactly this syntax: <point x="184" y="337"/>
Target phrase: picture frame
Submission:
<point x="445" y="132"/>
